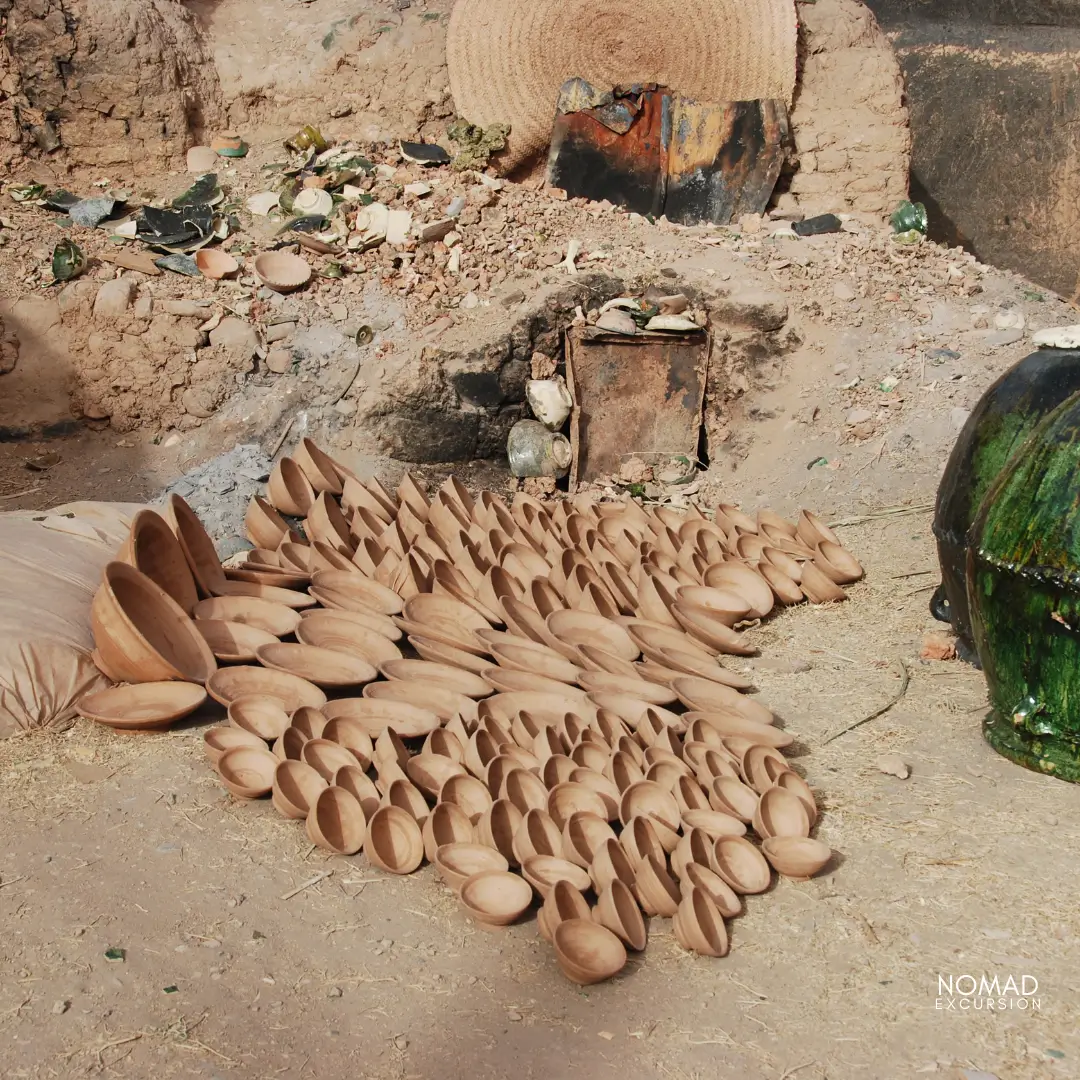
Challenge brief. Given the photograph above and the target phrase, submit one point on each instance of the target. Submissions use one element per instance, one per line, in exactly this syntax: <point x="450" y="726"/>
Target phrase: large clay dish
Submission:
<point x="376" y="716"/>
<point x="327" y="630"/>
<point x="431" y="696"/>
<point x="152" y="547"/>
<point x="228" y="684"/>
<point x="233" y="642"/>
<point x="276" y="619"/>
<point x="352" y="589"/>
<point x="323" y="667"/>
<point x="142" y="706"/>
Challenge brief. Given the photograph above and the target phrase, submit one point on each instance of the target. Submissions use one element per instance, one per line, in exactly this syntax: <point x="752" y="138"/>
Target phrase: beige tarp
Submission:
<point x="50" y="566"/>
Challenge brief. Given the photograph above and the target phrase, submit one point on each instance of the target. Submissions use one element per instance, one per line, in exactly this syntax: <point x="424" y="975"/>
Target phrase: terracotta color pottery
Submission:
<point x="741" y="865"/>
<point x="496" y="826"/>
<point x="141" y="707"/>
<point x="448" y="675"/>
<point x="587" y="952"/>
<point x="696" y="875"/>
<point x="389" y="747"/>
<point x="742" y="579"/>
<point x="761" y="766"/>
<point x="536" y="835"/>
<point x="318" y="467"/>
<point x="290" y="746"/>
<point x="232" y="642"/>
<point x="837" y="564"/>
<point x="247" y="771"/>
<point x="618" y="911"/>
<point x="649" y="799"/>
<point x="198" y="548"/>
<point x="335" y="630"/>
<point x="394" y="842"/>
<point x="495" y="897"/>
<point x="711" y="631"/>
<point x="582" y="628"/>
<point x="583" y="833"/>
<point x="152" y="549"/>
<point x="818" y="588"/>
<point x="336" y="822"/>
<point x="265" y="527"/>
<point x="467" y="793"/>
<point x="655" y="889"/>
<point x="350" y="735"/>
<point x="275" y="619"/>
<point x="727" y="724"/>
<point x="687" y="662"/>
<point x="537" y="660"/>
<point x="310" y="721"/>
<point x="228" y="684"/>
<point x="694" y="846"/>
<point x="433" y="697"/>
<point x="354" y="592"/>
<point x="714" y="823"/>
<point x="445" y="744"/>
<point x="526" y="791"/>
<point x="623" y="770"/>
<point x="608" y="792"/>
<point x="793" y="782"/>
<point x="296" y="787"/>
<point x="603" y="682"/>
<point x="142" y="634"/>
<point x="567" y="799"/>
<point x="456" y="862"/>
<point x="512" y="681"/>
<point x="430" y="771"/>
<point x="639" y="840"/>
<point x="562" y="902"/>
<point x="377" y="716"/>
<point x="324" y="667"/>
<point x="699" y="926"/>
<point x="358" y="784"/>
<point x="217" y="740"/>
<point x="811" y="530"/>
<point x="781" y="813"/>
<point x="447" y="824"/>
<point x="796" y="856"/>
<point x="610" y="863"/>
<point x="441" y="653"/>
<point x="260" y="715"/>
<point x="402" y="792"/>
<point x="280" y="271"/>
<point x="724" y="605"/>
<point x="542" y="871"/>
<point x="326" y="757"/>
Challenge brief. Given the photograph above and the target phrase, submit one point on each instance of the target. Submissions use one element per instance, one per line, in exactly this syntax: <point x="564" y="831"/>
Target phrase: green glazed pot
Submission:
<point x="1023" y="584"/>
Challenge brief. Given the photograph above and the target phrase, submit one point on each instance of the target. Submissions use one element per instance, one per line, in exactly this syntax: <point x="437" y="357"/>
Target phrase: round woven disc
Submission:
<point x="508" y="58"/>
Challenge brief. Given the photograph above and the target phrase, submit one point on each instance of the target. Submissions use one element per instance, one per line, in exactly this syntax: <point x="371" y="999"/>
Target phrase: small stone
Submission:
<point x="197" y="403"/>
<point x="419" y="189"/>
<point x="185" y="309"/>
<point x="1000" y="338"/>
<point x="344" y="407"/>
<point x="339" y="312"/>
<point x="114" y="298"/>
<point x="143" y="307"/>
<point x="858" y="416"/>
<point x="514" y="1016"/>
<point x="893" y="765"/>
<point x="938" y="646"/>
<point x="201" y="159"/>
<point x="279" y="331"/>
<point x="470" y="300"/>
<point x="452" y="239"/>
<point x="236" y="335"/>
<point x="334" y="992"/>
<point x="436" y="230"/>
<point x="511" y="298"/>
<point x="210" y="943"/>
<point x="958" y="418"/>
<point x="60" y="1007"/>
<point x="843" y="291"/>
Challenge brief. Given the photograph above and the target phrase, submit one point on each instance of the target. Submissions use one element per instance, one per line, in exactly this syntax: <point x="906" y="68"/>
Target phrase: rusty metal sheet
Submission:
<point x="724" y="160"/>
<point x="633" y="395"/>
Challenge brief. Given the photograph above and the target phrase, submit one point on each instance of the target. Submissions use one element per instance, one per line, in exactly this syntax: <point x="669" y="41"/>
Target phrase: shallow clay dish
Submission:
<point x="275" y="619"/>
<point x="618" y="911"/>
<point x="542" y="871"/>
<point x="377" y="715"/>
<point x="584" y="628"/>
<point x="796" y="856"/>
<point x="353" y="590"/>
<point x="432" y="696"/>
<point x="323" y="667"/>
<point x="587" y="952"/>
<point x="215" y="264"/>
<point x="233" y="642"/>
<point x="247" y="771"/>
<point x="394" y="842"/>
<point x="446" y="824"/>
<point x="260" y="715"/>
<point x="326" y="757"/>
<point x="442" y="653"/>
<point x="296" y="787"/>
<point x="143" y="706"/>
<point x="336" y="822"/>
<point x="217" y="740"/>
<point x="495" y="897"/>
<point x="280" y="271"/>
<point x="458" y="861"/>
<point x="228" y="684"/>
<point x="448" y="675"/>
<point x="561" y="903"/>
<point x="330" y="630"/>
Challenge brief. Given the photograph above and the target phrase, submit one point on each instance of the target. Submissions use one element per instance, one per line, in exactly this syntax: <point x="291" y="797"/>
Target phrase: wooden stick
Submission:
<point x="905" y="678"/>
<point x="307" y="884"/>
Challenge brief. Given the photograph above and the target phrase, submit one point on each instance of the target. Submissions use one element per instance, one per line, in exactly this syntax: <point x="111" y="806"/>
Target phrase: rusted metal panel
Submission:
<point x="724" y="160"/>
<point x="633" y="395"/>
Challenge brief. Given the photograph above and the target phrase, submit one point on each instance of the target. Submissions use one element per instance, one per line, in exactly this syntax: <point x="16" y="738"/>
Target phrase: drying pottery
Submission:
<point x="583" y="628"/>
<point x="811" y="530"/>
<point x="623" y="770"/>
<point x="326" y="757"/>
<point x="796" y="856"/>
<point x="198" y="548"/>
<point x="296" y="787"/>
<point x="655" y="889"/>
<point x="324" y="667"/>
<point x="469" y="794"/>
<point x="557" y="770"/>
<point x="280" y="271"/>
<point x="495" y="897"/>
<point x="228" y="684"/>
<point x="695" y="846"/>
<point x="262" y="716"/>
<point x="290" y="746"/>
<point x="215" y="264"/>
<point x="724" y="605"/>
<point x="233" y="642"/>
<point x="289" y="489"/>
<point x="567" y="799"/>
<point x="610" y="862"/>
<point x="442" y="653"/>
<point x="497" y="827"/>
<point x="456" y="862"/>
<point x="275" y="619"/>
<point x="318" y="467"/>
<point x="336" y="822"/>
<point x="542" y="871"/>
<point x="818" y="588"/>
<point x="711" y="631"/>
<point x="142" y="633"/>
<point x="448" y="824"/>
<point x="781" y="813"/>
<point x="562" y="902"/>
<point x="714" y="823"/>
<point x="327" y="523"/>
<point x="699" y="926"/>
<point x="689" y="795"/>
<point x="152" y="549"/>
<point x="587" y="952"/>
<point x="140" y="707"/>
<point x="602" y="682"/>
<point x="526" y="791"/>
<point x="217" y="740"/>
<point x="761" y="766"/>
<point x="685" y="662"/>
<point x="793" y="782"/>
<point x="639" y="840"/>
<point x="402" y="792"/>
<point x="837" y="564"/>
<point x="536" y="835"/>
<point x="696" y="875"/>
<point x="453" y="678"/>
<point x="608" y="792"/>
<point x="583" y="833"/>
<point x="247" y="771"/>
<point x="266" y="528"/>
<point x="536" y="659"/>
<point x="358" y="784"/>
<point x="647" y="798"/>
<point x="377" y="715"/>
<point x="728" y="724"/>
<point x="311" y="722"/>
<point x="746" y="582"/>
<point x="394" y="842"/>
<point x="389" y="747"/>
<point x="336" y="630"/>
<point x="618" y="911"/>
<point x="432" y="697"/>
<point x="430" y="771"/>
<point x="741" y="865"/>
<point x="347" y="733"/>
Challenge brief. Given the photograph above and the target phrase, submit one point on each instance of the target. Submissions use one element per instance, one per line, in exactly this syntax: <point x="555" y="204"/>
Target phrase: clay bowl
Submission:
<point x="358" y="784"/>
<point x="228" y="684"/>
<point x="793" y="782"/>
<point x="289" y="490"/>
<point x="430" y="771"/>
<point x="610" y="863"/>
<point x="456" y="862"/>
<point x="837" y="564"/>
<point x="781" y="813"/>
<point x="730" y="796"/>
<point x="142" y="633"/>
<point x="536" y="835"/>
<point x="583" y="833"/>
<point x="318" y="467"/>
<point x="215" y="264"/>
<point x="152" y="549"/>
<point x="495" y="897"/>
<point x="724" y="605"/>
<point x="467" y="793"/>
<point x="818" y="588"/>
<point x="714" y="823"/>
<point x="728" y="725"/>
<point x="198" y="548"/>
<point x="699" y="926"/>
<point x="687" y="662"/>
<point x="247" y="771"/>
<point x="587" y="952"/>
<point x="259" y="715"/>
<point x="402" y="792"/>
<point x="696" y="875"/>
<point x="333" y="630"/>
<point x="647" y="798"/>
<point x="740" y="865"/>
<point x="377" y="716"/>
<point x="295" y="789"/>
<point x="447" y="675"/>
<point x="689" y="795"/>
<point x="567" y="799"/>
<point x="497" y="826"/>
<point x="705" y="695"/>
<point x="355" y="592"/>
<point x="542" y="871"/>
<point x="602" y="682"/>
<point x="275" y="619"/>
<point x="233" y="642"/>
<point x="323" y="667"/>
<point x="440" y="609"/>
<point x="561" y="903"/>
<point x="811" y="530"/>
<point x="783" y="585"/>
<point x="280" y="271"/>
<point x="389" y="747"/>
<point x="655" y="640"/>
<point x="447" y="824"/>
<point x="694" y="846"/>
<point x="608" y="792"/>
<point x="537" y="660"/>
<point x="326" y="757"/>
<point x="394" y="842"/>
<point x="217" y="740"/>
<point x="441" y="653"/>
<point x="349" y="734"/>
<point x="623" y="770"/>
<point x="618" y="911"/>
<point x="526" y="791"/>
<point x="711" y="631"/>
<point x="583" y="628"/>
<point x="144" y="706"/>
<point x="432" y="697"/>
<point x="761" y="766"/>
<point x="655" y="889"/>
<point x="744" y="580"/>
<point x="290" y="746"/>
<point x="639" y="839"/>
<point x="336" y="822"/>
<point x="796" y="856"/>
<point x="310" y="721"/>
<point x="514" y="681"/>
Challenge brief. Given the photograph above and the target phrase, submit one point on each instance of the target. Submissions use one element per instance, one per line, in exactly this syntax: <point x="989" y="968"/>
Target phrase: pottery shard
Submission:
<point x="753" y="309"/>
<point x="236" y="335"/>
<point x="279" y="361"/>
<point x="114" y="298"/>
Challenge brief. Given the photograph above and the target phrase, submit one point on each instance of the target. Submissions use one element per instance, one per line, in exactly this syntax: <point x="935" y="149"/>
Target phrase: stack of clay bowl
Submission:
<point x="528" y="696"/>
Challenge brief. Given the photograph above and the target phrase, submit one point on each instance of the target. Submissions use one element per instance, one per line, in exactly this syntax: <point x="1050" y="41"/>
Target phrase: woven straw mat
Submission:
<point x="508" y="58"/>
